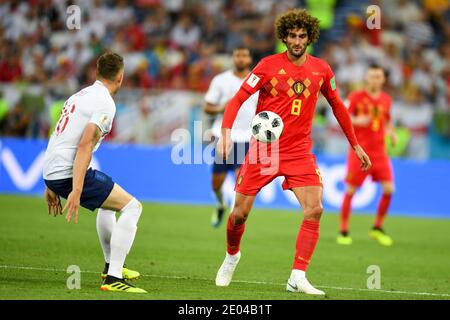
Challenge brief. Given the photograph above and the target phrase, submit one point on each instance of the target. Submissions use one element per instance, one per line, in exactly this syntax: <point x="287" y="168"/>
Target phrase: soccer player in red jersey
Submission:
<point x="289" y="84"/>
<point x="370" y="111"/>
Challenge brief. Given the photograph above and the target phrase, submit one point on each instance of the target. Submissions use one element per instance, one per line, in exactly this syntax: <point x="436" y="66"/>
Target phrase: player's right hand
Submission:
<point x="223" y="146"/>
<point x="366" y="164"/>
<point x="53" y="202"/>
<point x="73" y="204"/>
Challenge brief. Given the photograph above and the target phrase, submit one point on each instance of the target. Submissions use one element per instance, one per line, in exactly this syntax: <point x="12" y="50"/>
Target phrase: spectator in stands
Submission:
<point x="4" y="107"/>
<point x="185" y="33"/>
<point x="16" y="122"/>
<point x="10" y="68"/>
<point x="416" y="114"/>
<point x="167" y="37"/>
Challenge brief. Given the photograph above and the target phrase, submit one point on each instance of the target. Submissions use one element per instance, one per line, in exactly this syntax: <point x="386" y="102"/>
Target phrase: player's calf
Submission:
<point x="123" y="236"/>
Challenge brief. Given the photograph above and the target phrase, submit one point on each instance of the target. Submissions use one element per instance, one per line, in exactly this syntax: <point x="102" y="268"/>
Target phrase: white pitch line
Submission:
<point x="238" y="281"/>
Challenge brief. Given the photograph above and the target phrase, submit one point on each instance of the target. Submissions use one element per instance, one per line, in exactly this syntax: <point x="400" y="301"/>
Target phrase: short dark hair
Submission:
<point x="109" y="65"/>
<point x="297" y="18"/>
<point x="375" y="65"/>
<point x="241" y="47"/>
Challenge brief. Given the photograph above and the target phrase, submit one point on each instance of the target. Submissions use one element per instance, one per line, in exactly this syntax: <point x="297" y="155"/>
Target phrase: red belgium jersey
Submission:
<point x="372" y="136"/>
<point x="292" y="91"/>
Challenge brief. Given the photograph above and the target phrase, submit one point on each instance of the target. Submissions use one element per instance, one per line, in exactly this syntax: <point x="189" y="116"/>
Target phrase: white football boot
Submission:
<point x="298" y="283"/>
<point x="225" y="273"/>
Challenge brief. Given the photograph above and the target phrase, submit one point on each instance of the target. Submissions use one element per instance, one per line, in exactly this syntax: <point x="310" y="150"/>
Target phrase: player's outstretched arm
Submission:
<point x="89" y="139"/>
<point x="233" y="106"/>
<point x="344" y="120"/>
<point x="330" y="92"/>
<point x="231" y="111"/>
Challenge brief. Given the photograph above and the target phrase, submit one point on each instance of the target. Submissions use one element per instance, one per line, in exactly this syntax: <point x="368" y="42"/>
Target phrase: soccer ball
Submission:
<point x="267" y="126"/>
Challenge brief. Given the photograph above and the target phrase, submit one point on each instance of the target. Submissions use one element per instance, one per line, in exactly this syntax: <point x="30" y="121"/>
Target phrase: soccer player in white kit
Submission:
<point x="86" y="119"/>
<point x="222" y="88"/>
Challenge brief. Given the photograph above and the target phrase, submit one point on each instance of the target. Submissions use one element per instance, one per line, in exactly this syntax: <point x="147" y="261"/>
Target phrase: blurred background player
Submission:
<point x="86" y="119"/>
<point x="222" y="88"/>
<point x="370" y="111"/>
<point x="289" y="84"/>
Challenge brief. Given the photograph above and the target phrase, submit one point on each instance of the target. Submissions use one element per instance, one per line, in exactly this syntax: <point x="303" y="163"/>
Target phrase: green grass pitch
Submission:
<point x="178" y="254"/>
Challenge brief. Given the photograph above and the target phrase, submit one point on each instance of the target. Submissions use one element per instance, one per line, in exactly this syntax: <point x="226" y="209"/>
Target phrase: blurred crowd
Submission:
<point x="182" y="44"/>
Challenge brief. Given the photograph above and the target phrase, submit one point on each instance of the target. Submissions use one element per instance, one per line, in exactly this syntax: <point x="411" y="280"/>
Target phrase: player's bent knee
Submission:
<point x="134" y="206"/>
<point x="388" y="189"/>
<point x="350" y="190"/>
<point x="117" y="199"/>
<point x="314" y="213"/>
<point x="239" y="217"/>
<point x="240" y="214"/>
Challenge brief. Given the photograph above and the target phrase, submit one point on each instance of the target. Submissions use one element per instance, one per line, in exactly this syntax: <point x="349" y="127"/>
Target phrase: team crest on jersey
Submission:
<point x="298" y="87"/>
<point x="105" y="123"/>
<point x="253" y="80"/>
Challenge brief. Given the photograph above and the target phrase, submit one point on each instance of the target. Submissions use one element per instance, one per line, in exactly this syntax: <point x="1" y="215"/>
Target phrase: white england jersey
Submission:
<point x="222" y="88"/>
<point x="92" y="104"/>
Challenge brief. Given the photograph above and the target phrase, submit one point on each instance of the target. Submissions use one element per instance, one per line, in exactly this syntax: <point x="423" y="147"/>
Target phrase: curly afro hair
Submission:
<point x="296" y="19"/>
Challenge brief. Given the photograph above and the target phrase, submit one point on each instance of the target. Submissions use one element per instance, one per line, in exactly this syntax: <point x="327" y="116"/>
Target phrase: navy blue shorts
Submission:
<point x="234" y="161"/>
<point x="97" y="187"/>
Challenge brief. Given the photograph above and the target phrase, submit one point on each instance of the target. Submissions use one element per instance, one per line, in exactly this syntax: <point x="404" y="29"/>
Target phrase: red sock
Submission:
<point x="307" y="238"/>
<point x="346" y="210"/>
<point x="383" y="207"/>
<point x="234" y="235"/>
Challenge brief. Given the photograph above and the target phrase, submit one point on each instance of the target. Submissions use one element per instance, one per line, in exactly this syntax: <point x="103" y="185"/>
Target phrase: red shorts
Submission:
<point x="381" y="170"/>
<point x="297" y="172"/>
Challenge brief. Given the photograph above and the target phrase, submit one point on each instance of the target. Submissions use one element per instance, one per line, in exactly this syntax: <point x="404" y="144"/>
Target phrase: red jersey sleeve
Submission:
<point x="254" y="81"/>
<point x="330" y="92"/>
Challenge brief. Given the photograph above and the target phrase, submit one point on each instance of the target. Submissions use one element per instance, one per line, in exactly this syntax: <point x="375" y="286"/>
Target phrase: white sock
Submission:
<point x="219" y="198"/>
<point x="123" y="236"/>
<point x="298" y="273"/>
<point x="106" y="220"/>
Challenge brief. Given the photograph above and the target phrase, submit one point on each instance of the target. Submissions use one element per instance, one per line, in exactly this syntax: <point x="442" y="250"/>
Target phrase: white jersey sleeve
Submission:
<point x="103" y="118"/>
<point x="93" y="104"/>
<point x="222" y="89"/>
<point x="214" y="93"/>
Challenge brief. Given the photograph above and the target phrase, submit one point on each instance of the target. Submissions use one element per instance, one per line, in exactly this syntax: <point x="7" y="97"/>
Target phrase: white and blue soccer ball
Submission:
<point x="267" y="126"/>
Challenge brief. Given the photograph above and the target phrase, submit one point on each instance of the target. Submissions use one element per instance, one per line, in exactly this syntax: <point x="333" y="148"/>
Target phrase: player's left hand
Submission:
<point x="53" y="202"/>
<point x="366" y="164"/>
<point x="394" y="139"/>
<point x="224" y="144"/>
<point x="73" y="204"/>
